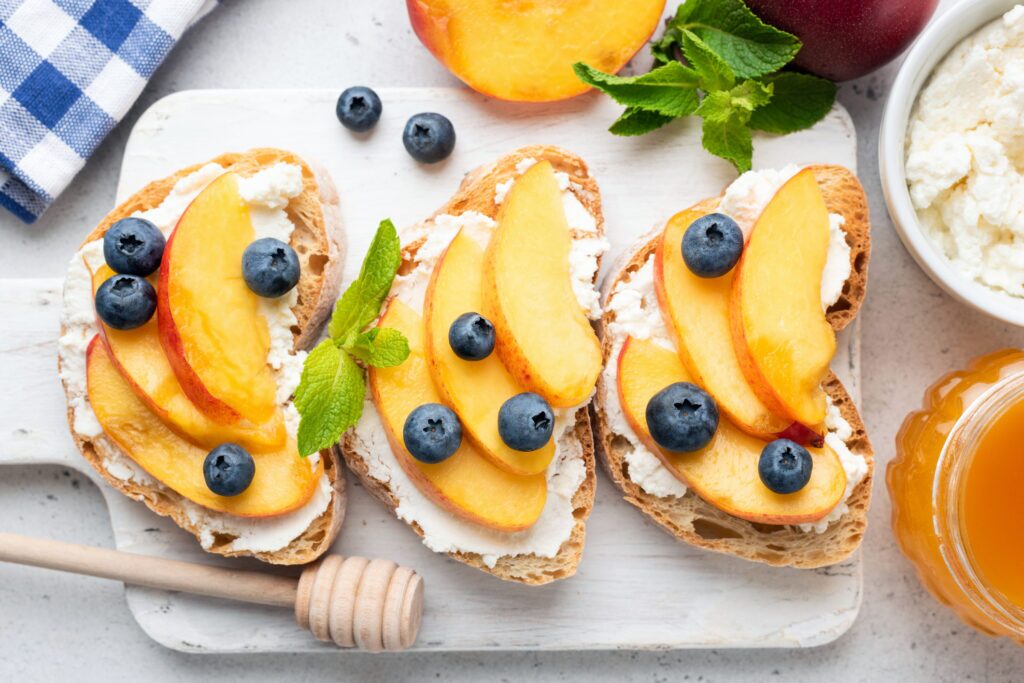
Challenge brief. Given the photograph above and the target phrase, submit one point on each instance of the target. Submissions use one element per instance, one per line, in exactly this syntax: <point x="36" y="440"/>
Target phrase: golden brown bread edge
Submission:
<point x="701" y="524"/>
<point x="318" y="240"/>
<point x="476" y="193"/>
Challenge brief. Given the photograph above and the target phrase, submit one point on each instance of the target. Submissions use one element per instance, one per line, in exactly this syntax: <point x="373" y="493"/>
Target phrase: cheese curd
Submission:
<point x="267" y="192"/>
<point x="965" y="155"/>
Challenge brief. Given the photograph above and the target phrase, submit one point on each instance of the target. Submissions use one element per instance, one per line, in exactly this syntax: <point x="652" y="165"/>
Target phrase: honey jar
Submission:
<point x="957" y="489"/>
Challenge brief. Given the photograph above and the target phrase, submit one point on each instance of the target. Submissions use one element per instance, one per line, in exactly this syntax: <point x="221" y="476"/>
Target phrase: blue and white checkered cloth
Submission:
<point x="69" y="71"/>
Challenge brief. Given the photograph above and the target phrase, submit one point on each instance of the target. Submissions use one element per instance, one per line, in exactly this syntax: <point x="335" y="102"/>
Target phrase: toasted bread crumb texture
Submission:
<point x="701" y="524"/>
<point x="317" y="238"/>
<point x="476" y="193"/>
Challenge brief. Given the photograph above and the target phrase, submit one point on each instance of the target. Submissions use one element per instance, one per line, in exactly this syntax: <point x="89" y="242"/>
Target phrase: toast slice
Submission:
<point x="691" y="519"/>
<point x="318" y="240"/>
<point x="477" y="193"/>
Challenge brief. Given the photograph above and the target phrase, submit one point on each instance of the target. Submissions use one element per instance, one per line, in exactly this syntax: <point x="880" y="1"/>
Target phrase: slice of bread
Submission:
<point x="699" y="523"/>
<point x="477" y="193"/>
<point x="318" y="240"/>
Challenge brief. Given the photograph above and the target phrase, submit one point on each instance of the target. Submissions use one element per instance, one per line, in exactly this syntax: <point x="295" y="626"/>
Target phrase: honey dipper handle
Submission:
<point x="152" y="572"/>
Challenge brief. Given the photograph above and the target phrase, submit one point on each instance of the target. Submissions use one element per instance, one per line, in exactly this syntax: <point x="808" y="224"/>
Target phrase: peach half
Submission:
<point x="523" y="50"/>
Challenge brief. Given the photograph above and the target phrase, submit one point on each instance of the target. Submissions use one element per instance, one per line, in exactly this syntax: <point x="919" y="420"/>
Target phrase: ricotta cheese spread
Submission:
<point x="442" y="530"/>
<point x="965" y="156"/>
<point x="637" y="314"/>
<point x="267" y="193"/>
<point x="585" y="251"/>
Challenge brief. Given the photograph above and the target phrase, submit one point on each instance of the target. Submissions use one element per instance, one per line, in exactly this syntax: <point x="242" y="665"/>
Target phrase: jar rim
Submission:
<point x="953" y="463"/>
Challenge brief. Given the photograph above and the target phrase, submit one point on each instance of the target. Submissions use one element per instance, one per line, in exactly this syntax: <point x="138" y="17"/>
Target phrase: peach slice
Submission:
<point x="283" y="481"/>
<point x="524" y="51"/>
<point x="782" y="339"/>
<point x="724" y="473"/>
<point x="467" y="484"/>
<point x="696" y="311"/>
<point x="544" y="338"/>
<point x="141" y="360"/>
<point x="475" y="390"/>
<point x="210" y="324"/>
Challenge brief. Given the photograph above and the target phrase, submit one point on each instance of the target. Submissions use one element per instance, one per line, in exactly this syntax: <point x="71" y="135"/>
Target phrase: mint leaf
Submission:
<point x="730" y="139"/>
<point x="381" y="347"/>
<point x="329" y="397"/>
<point x="638" y="121"/>
<point x="712" y="71"/>
<point x="360" y="304"/>
<point x="739" y="102"/>
<point x="669" y="47"/>
<point x="798" y="102"/>
<point x="751" y="47"/>
<point x="668" y="90"/>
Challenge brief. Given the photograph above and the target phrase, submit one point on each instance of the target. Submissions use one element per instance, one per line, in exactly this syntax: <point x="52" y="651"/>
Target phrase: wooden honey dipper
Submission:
<point x="374" y="605"/>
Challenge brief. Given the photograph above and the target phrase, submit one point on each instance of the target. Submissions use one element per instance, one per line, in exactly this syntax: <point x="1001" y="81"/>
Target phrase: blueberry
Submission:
<point x="432" y="433"/>
<point x="228" y="469"/>
<point x="712" y="245"/>
<point x="358" y="108"/>
<point x="682" y="417"/>
<point x="471" y="336"/>
<point x="125" y="302"/>
<point x="429" y="137"/>
<point x="785" y="466"/>
<point x="525" y="422"/>
<point x="133" y="246"/>
<point x="270" y="267"/>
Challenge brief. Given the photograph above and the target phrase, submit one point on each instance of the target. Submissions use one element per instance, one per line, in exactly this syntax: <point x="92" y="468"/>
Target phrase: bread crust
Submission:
<point x="476" y="193"/>
<point x="697" y="522"/>
<point x="318" y="239"/>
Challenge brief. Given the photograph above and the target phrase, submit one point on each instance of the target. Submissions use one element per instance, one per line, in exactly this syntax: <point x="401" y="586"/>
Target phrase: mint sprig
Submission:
<point x="728" y="80"/>
<point x="331" y="392"/>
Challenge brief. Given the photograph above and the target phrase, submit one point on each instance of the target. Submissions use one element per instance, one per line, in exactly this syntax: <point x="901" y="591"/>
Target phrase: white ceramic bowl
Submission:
<point x="931" y="47"/>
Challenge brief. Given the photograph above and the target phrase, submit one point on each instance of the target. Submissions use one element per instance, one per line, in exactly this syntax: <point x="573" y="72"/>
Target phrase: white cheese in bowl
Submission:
<point x="965" y="156"/>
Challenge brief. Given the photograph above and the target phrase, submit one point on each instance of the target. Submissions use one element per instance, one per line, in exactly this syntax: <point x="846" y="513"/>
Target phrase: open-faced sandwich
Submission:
<point x="717" y="413"/>
<point x="185" y="316"/>
<point x="481" y="439"/>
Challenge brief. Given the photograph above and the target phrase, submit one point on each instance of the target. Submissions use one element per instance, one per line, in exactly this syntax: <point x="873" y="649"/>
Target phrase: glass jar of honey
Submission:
<point x="957" y="489"/>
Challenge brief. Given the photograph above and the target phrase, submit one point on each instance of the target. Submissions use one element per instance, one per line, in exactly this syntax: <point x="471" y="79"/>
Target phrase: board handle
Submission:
<point x="374" y="605"/>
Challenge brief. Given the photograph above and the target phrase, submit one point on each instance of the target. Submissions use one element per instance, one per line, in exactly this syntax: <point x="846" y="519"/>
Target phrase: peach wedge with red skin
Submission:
<point x="141" y="360"/>
<point x="696" y="311"/>
<point x="544" y="338"/>
<point x="475" y="390"/>
<point x="283" y="481"/>
<point x="780" y="334"/>
<point x="524" y="51"/>
<point x="467" y="484"/>
<point x="210" y="324"/>
<point x="725" y="472"/>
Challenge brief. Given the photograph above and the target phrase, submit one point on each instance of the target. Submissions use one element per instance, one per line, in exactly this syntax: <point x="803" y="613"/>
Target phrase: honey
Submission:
<point x="957" y="487"/>
<point x="991" y="514"/>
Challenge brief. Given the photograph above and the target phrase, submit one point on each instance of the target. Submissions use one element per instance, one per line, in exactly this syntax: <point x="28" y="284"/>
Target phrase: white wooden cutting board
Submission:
<point x="636" y="587"/>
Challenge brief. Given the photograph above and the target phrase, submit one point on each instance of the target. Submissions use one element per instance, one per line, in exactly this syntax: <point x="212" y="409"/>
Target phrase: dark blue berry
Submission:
<point x="133" y="246"/>
<point x="471" y="336"/>
<point x="432" y="433"/>
<point x="429" y="137"/>
<point x="525" y="422"/>
<point x="228" y="469"/>
<point x="682" y="417"/>
<point x="785" y="466"/>
<point x="712" y="245"/>
<point x="359" y="108"/>
<point x="125" y="302"/>
<point x="270" y="267"/>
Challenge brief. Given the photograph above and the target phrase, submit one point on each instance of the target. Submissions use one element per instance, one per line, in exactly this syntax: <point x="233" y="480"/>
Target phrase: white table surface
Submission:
<point x="58" y="627"/>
